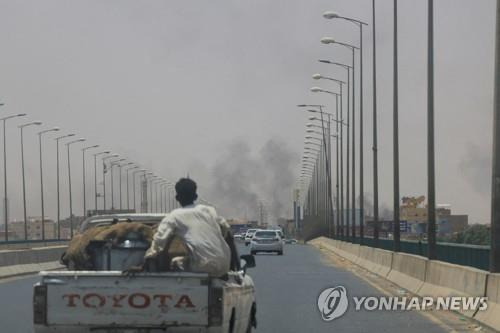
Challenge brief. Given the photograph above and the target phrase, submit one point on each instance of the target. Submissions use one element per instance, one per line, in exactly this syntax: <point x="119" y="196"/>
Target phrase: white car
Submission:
<point x="249" y="235"/>
<point x="266" y="241"/>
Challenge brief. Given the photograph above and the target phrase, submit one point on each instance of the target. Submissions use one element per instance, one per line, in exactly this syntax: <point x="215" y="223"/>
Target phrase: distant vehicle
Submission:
<point x="239" y="236"/>
<point x="105" y="300"/>
<point x="266" y="241"/>
<point x="290" y="241"/>
<point x="249" y="235"/>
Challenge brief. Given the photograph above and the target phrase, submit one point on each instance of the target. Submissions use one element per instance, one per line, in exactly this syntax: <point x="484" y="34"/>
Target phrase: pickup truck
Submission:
<point x="106" y="300"/>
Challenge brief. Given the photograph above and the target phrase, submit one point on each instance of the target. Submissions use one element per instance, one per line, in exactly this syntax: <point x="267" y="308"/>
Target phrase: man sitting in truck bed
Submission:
<point x="200" y="228"/>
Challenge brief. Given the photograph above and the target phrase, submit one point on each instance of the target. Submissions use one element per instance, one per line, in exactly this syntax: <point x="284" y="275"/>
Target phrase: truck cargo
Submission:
<point x="107" y="300"/>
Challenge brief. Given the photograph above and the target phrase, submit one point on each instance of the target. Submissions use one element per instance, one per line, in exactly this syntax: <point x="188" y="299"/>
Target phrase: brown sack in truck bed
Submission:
<point x="76" y="256"/>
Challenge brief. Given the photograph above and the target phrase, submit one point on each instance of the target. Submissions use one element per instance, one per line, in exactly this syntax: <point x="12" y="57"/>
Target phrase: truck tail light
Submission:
<point x="215" y="306"/>
<point x="40" y="304"/>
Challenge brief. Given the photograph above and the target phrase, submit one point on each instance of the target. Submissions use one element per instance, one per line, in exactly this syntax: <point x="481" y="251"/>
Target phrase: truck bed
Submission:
<point x="110" y="299"/>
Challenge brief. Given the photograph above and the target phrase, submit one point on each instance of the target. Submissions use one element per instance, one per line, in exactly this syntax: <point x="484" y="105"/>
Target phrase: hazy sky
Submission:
<point x="178" y="85"/>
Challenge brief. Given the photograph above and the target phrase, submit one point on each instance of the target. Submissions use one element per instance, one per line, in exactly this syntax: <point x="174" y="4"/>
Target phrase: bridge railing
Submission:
<point x="477" y="256"/>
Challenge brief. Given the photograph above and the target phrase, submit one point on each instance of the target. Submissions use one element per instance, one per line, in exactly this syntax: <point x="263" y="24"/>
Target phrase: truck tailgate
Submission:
<point x="107" y="298"/>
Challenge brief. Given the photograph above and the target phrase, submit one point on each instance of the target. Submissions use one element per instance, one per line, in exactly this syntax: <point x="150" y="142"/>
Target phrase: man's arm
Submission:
<point x="235" y="260"/>
<point x="228" y="237"/>
<point x="161" y="237"/>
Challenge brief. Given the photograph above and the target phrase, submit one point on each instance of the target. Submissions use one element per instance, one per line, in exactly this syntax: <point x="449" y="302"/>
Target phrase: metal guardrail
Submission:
<point x="477" y="256"/>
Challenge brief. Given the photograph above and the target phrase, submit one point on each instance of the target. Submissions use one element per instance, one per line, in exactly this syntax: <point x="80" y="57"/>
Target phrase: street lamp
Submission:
<point x="348" y="68"/>
<point x="133" y="167"/>
<point x="83" y="168"/>
<point x="330" y="40"/>
<point x="111" y="165"/>
<point x="150" y="185"/>
<point x="95" y="176"/>
<point x="55" y="129"/>
<point x="341" y="83"/>
<point x="104" y="170"/>
<point x="375" y="139"/>
<point x="134" y="182"/>
<point x="144" y="192"/>
<point x="6" y="215"/>
<point x="316" y="89"/>
<point x="340" y="147"/>
<point x="58" y="187"/>
<point x="360" y="24"/>
<point x="68" y="144"/>
<point x="21" y="128"/>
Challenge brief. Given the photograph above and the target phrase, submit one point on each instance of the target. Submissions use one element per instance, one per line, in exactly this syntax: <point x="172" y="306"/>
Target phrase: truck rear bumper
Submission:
<point x="93" y="329"/>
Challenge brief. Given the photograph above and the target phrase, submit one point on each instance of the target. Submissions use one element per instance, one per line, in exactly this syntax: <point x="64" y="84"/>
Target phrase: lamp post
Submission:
<point x="111" y="166"/>
<point x="21" y="128"/>
<point x="120" y="167"/>
<point x="150" y="185"/>
<point x="395" y="126"/>
<point x="360" y="24"/>
<point x="104" y="170"/>
<point x="58" y="187"/>
<point x="495" y="175"/>
<point x="158" y="181"/>
<point x="375" y="139"/>
<point x="95" y="176"/>
<point x="314" y="152"/>
<point x="330" y="40"/>
<point x="350" y="210"/>
<point x="83" y="178"/>
<point x="55" y="129"/>
<point x="431" y="177"/>
<point x="341" y="83"/>
<point x="327" y="151"/>
<point x="133" y="167"/>
<point x="154" y="194"/>
<point x="134" y="182"/>
<point x="5" y="200"/>
<point x="170" y="188"/>
<point x="144" y="192"/>
<point x="68" y="144"/>
<point x="337" y="120"/>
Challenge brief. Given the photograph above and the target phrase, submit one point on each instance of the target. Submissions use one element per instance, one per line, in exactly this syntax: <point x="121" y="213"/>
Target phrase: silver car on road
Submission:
<point x="266" y="241"/>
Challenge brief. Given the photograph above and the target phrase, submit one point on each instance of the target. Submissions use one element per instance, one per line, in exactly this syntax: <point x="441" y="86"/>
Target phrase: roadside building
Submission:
<point x="34" y="229"/>
<point x="414" y="211"/>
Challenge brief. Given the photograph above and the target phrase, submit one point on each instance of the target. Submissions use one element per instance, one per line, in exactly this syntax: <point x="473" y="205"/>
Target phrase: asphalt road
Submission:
<point x="288" y="287"/>
<point x="287" y="291"/>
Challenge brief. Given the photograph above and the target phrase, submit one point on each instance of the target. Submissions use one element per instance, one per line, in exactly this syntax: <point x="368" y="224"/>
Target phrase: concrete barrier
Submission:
<point x="491" y="316"/>
<point x="375" y="260"/>
<point x="445" y="279"/>
<point x="331" y="245"/>
<point x="349" y="251"/>
<point x="425" y="277"/>
<point x="16" y="270"/>
<point x="28" y="261"/>
<point x="408" y="271"/>
<point x="30" y="256"/>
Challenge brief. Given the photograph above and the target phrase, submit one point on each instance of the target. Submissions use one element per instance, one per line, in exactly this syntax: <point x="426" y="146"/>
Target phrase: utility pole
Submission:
<point x="375" y="147"/>
<point x="431" y="177"/>
<point x="396" y="231"/>
<point x="495" y="188"/>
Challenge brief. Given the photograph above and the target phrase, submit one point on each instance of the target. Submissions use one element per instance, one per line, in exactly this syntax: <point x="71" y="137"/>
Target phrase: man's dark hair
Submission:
<point x="186" y="191"/>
